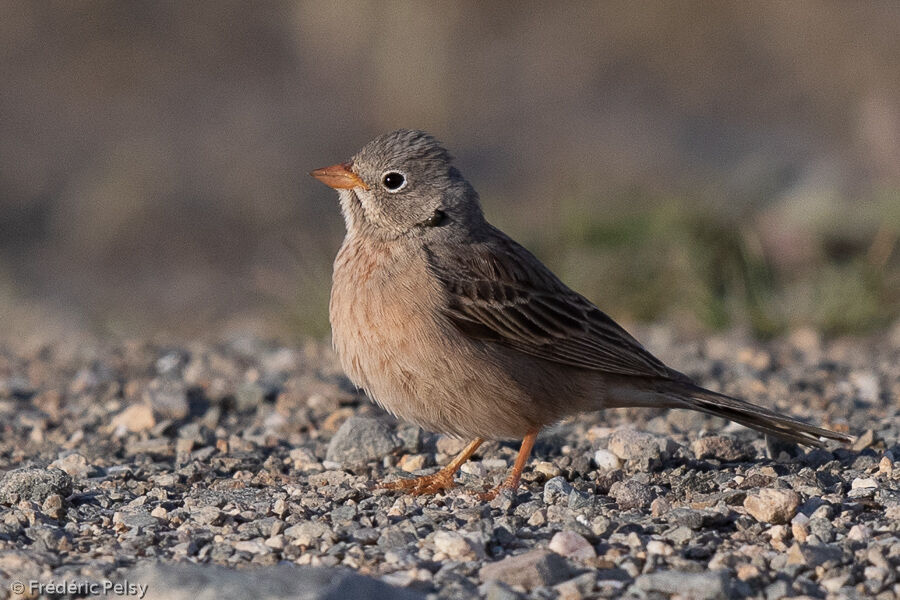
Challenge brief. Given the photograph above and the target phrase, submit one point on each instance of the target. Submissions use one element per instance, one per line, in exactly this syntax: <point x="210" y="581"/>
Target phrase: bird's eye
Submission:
<point x="393" y="181"/>
<point x="436" y="219"/>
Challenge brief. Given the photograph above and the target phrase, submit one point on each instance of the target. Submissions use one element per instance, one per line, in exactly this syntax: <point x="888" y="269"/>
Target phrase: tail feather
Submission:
<point x="750" y="415"/>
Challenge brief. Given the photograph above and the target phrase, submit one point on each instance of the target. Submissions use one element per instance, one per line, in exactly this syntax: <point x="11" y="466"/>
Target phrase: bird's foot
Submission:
<point x="427" y="484"/>
<point x="503" y="487"/>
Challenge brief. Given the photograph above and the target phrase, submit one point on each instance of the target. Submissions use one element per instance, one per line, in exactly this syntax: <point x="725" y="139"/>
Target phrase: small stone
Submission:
<point x="721" y="447"/>
<point x="74" y="464"/>
<point x="772" y="505"/>
<point x="606" y="460"/>
<point x="159" y="512"/>
<point x="800" y="527"/>
<point x="867" y="385"/>
<point x="495" y="463"/>
<point x="450" y="445"/>
<point x="817" y="555"/>
<point x="601" y="526"/>
<point x="53" y="506"/>
<point x="276" y="542"/>
<point x="659" y="547"/>
<point x="631" y="494"/>
<point x="747" y="572"/>
<point x="412" y="462"/>
<point x="168" y="399"/>
<point x="249" y="396"/>
<point x="252" y="546"/>
<point x="876" y="574"/>
<point x="547" y="469"/>
<point x="475" y="468"/>
<point x="556" y="490"/>
<point x="360" y="440"/>
<point x="304" y="460"/>
<point x="306" y="533"/>
<point x="279" y="507"/>
<point x="834" y="584"/>
<point x="630" y="444"/>
<point x="193" y="581"/>
<point x="660" y="507"/>
<point x="580" y="501"/>
<point x="679" y="535"/>
<point x="778" y="535"/>
<point x="184" y="446"/>
<point x="863" y="483"/>
<point x="698" y="586"/>
<point x="138" y="520"/>
<point x="34" y="484"/>
<point x="859" y="533"/>
<point x="863" y="441"/>
<point x="137" y="417"/>
<point x="497" y="590"/>
<point x="576" y="588"/>
<point x="530" y="570"/>
<point x="208" y="515"/>
<point x="454" y="545"/>
<point x="572" y="545"/>
<point x="538" y="518"/>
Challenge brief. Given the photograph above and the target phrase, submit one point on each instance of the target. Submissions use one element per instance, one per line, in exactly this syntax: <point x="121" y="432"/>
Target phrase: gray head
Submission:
<point x="403" y="184"/>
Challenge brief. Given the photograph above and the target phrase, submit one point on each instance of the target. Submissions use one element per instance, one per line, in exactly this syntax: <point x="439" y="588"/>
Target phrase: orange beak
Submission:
<point x="339" y="177"/>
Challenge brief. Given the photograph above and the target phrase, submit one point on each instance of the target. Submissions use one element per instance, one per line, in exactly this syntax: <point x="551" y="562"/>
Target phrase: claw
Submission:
<point x="428" y="484"/>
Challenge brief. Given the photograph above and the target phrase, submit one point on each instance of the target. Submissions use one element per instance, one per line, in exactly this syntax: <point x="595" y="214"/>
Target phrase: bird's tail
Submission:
<point x="682" y="394"/>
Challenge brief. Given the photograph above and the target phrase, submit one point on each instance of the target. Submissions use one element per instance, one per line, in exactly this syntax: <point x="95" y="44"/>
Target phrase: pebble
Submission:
<point x="814" y="555"/>
<point x="772" y="505"/>
<point x="724" y="448"/>
<point x="659" y="547"/>
<point x="253" y="487"/>
<point x="360" y="440"/>
<point x="474" y="468"/>
<point x="630" y="444"/>
<point x="863" y="483"/>
<point x="53" y="506"/>
<point x="698" y="586"/>
<point x="135" y="418"/>
<point x="306" y="533"/>
<point x="412" y="462"/>
<point x="631" y="494"/>
<point x="606" y="460"/>
<point x="572" y="545"/>
<point x="34" y="484"/>
<point x="859" y="533"/>
<point x="191" y="581"/>
<point x="556" y="490"/>
<point x="75" y="465"/>
<point x="547" y="469"/>
<point x="532" y="569"/>
<point x="454" y="545"/>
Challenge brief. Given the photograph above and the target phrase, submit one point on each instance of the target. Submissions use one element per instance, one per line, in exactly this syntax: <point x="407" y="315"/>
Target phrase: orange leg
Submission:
<point x="442" y="480"/>
<point x="512" y="481"/>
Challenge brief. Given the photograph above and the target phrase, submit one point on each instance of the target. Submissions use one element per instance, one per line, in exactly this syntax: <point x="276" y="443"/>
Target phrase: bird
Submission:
<point x="448" y="323"/>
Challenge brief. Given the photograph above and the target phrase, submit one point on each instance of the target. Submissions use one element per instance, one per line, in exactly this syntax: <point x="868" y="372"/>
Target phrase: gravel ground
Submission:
<point x="243" y="467"/>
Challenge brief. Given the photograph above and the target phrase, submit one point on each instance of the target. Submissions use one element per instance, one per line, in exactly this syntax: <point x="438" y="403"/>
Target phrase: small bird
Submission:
<point x="448" y="323"/>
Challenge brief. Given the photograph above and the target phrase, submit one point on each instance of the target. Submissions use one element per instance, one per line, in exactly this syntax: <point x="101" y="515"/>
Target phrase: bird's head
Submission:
<point x="402" y="184"/>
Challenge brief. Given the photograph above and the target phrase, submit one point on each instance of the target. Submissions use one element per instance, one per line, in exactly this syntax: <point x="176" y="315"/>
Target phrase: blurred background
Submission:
<point x="704" y="164"/>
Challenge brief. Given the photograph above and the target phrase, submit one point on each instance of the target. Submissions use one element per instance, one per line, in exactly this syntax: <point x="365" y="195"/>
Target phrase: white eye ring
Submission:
<point x="391" y="173"/>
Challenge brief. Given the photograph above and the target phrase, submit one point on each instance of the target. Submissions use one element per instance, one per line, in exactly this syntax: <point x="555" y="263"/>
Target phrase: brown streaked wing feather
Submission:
<point x="499" y="291"/>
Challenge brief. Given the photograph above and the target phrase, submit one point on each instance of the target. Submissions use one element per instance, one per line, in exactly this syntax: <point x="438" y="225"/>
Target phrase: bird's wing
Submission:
<point x="496" y="290"/>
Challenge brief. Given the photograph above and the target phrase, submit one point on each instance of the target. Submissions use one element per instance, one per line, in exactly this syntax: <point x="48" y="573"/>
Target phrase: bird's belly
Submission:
<point x="393" y="341"/>
<point x="399" y="353"/>
<point x="387" y="347"/>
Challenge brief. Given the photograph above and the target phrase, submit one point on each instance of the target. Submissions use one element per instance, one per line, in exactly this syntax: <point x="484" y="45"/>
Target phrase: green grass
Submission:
<point x="670" y="261"/>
